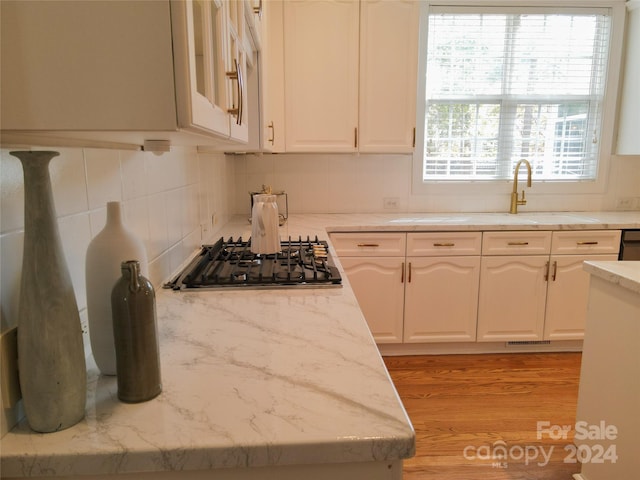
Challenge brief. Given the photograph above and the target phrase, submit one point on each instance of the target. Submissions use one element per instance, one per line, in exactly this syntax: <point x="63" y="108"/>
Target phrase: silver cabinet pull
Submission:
<point x="587" y="243"/>
<point x="444" y="244"/>
<point x="368" y="245"/>
<point x="518" y="243"/>
<point x="555" y="271"/>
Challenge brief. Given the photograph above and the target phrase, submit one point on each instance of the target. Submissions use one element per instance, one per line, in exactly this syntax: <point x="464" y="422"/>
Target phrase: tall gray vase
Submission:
<point x="51" y="362"/>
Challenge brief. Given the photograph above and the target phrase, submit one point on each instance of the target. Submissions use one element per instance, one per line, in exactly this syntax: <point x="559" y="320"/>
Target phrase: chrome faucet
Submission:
<point x="515" y="201"/>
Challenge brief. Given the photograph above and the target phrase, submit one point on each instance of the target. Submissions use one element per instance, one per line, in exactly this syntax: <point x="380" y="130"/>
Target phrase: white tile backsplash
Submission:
<point x="353" y="183"/>
<point x="163" y="197"/>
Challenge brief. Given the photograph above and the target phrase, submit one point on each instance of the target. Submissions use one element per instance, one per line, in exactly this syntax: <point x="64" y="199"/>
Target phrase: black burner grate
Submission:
<point x="230" y="263"/>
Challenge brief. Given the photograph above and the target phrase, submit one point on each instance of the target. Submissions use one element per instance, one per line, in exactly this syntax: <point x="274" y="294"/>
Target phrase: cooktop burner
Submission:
<point x="231" y="263"/>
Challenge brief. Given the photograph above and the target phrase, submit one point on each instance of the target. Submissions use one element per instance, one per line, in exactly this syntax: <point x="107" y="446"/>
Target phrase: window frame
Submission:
<point x="617" y="11"/>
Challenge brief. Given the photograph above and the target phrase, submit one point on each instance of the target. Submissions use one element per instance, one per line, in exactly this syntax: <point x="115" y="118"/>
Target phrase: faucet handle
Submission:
<point x="523" y="200"/>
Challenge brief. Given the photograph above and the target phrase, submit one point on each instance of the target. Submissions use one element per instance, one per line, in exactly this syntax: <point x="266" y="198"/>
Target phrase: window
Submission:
<point x="502" y="84"/>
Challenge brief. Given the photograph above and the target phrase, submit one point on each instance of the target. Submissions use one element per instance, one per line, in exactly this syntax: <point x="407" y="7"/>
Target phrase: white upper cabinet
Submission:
<point x="321" y="75"/>
<point x="125" y="72"/>
<point x="348" y="76"/>
<point x="388" y="73"/>
<point x="628" y="138"/>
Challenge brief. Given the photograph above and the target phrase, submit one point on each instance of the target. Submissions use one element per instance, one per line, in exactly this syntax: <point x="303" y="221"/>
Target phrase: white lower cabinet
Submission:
<point x="568" y="296"/>
<point x="426" y="292"/>
<point x="473" y="286"/>
<point x="377" y="284"/>
<point x="375" y="266"/>
<point x="441" y="299"/>
<point x="532" y="286"/>
<point x="512" y="298"/>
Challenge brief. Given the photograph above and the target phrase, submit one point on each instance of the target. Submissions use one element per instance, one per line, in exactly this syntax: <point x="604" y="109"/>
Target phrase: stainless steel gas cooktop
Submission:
<point x="231" y="264"/>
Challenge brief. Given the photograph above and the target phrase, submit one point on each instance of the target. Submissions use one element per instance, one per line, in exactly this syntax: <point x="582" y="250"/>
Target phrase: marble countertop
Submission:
<point x="250" y="378"/>
<point x="416" y="222"/>
<point x="624" y="273"/>
<point x="261" y="377"/>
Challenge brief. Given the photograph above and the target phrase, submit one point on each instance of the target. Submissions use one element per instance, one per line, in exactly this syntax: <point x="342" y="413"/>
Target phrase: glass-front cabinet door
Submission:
<point x="200" y="51"/>
<point x="237" y="48"/>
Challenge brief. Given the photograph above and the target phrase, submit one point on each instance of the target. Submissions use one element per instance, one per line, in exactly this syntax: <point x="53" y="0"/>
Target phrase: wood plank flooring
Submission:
<point x="464" y="407"/>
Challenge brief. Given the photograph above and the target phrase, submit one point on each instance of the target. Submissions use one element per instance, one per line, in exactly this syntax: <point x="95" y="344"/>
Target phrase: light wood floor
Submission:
<point x="459" y="402"/>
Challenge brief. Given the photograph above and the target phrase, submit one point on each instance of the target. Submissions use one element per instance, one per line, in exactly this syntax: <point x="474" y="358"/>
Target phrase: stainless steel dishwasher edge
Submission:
<point x="630" y="245"/>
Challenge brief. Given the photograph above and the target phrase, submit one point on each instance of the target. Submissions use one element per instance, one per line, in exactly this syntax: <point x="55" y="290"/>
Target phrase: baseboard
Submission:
<point x="398" y="349"/>
<point x="578" y="476"/>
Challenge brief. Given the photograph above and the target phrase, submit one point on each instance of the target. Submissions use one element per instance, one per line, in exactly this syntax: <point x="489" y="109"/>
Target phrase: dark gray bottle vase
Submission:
<point x="135" y="335"/>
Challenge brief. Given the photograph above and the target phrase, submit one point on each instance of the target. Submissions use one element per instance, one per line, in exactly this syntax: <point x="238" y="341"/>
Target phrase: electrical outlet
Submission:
<point x="625" y="203"/>
<point x="9" y="366"/>
<point x="391" y="203"/>
<point x="214" y="219"/>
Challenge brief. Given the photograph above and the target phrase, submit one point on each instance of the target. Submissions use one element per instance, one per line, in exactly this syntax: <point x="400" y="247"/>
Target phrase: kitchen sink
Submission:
<point x="534" y="218"/>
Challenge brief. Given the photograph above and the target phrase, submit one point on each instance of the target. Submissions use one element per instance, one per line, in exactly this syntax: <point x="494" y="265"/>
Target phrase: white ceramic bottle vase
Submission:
<point x="106" y="252"/>
<point x="265" y="237"/>
<point x="53" y="376"/>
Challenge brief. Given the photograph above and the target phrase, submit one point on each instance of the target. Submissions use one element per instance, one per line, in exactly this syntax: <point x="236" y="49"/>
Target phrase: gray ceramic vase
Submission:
<point x="51" y="361"/>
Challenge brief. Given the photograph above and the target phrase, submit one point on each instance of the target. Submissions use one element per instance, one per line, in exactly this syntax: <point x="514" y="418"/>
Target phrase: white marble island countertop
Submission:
<point x="251" y="378"/>
<point x="626" y="274"/>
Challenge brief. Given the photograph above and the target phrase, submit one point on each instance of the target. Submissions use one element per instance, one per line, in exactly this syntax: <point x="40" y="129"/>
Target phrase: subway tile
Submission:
<point x="68" y="181"/>
<point x="75" y="234"/>
<point x="11" y="193"/>
<point x="136" y="218"/>
<point x="11" y="247"/>
<point x="174" y="200"/>
<point x="134" y="184"/>
<point x="158" y="229"/>
<point x="104" y="180"/>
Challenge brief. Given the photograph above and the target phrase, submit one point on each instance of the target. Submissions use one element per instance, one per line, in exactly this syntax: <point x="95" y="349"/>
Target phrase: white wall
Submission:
<point x="325" y="183"/>
<point x="166" y="199"/>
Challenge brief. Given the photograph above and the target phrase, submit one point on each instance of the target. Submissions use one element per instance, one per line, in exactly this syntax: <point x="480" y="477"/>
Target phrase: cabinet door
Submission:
<point x="441" y="299"/>
<point x="237" y="65"/>
<point x="567" y="296"/>
<point x="87" y="66"/>
<point x="379" y="288"/>
<point x="201" y="62"/>
<point x="512" y="298"/>
<point x="321" y="75"/>
<point x="388" y="73"/>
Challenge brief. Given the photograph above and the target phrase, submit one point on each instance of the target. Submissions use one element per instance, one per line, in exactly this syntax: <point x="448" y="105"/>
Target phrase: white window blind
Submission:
<point x="507" y="84"/>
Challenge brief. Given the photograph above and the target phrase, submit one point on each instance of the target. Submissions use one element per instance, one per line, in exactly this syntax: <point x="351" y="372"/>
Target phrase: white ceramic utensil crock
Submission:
<point x="265" y="238"/>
